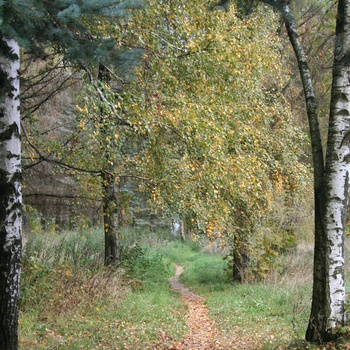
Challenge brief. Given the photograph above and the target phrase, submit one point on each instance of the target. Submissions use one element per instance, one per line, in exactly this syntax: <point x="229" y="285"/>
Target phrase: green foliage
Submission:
<point x="216" y="152"/>
<point x="201" y="121"/>
<point x="219" y="150"/>
<point x="64" y="25"/>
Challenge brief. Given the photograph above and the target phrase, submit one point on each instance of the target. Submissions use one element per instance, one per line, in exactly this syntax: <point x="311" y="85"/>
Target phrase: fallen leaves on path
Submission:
<point x="202" y="332"/>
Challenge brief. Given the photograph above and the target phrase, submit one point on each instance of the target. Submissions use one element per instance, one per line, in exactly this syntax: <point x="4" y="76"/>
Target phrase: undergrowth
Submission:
<point x="69" y="300"/>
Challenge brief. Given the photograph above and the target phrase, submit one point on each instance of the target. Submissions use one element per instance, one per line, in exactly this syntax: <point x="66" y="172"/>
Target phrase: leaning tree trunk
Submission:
<point x="320" y="292"/>
<point x="10" y="194"/>
<point x="110" y="220"/>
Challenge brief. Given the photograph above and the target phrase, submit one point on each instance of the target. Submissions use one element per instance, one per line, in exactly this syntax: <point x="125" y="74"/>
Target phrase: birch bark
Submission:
<point x="338" y="166"/>
<point x="10" y="194"/>
<point x="331" y="182"/>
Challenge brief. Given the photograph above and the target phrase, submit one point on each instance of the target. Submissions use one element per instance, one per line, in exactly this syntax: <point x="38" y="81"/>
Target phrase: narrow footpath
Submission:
<point x="202" y="333"/>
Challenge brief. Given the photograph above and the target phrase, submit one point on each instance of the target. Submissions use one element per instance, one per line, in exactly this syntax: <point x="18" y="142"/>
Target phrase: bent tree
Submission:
<point x="11" y="197"/>
<point x="331" y="178"/>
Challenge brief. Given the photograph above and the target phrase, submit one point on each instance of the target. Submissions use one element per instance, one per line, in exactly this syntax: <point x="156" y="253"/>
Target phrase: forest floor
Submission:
<point x="202" y="332"/>
<point x="172" y="296"/>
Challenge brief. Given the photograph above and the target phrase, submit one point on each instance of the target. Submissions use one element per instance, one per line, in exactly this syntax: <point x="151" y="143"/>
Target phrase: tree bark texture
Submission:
<point x="320" y="295"/>
<point x="110" y="204"/>
<point x="338" y="166"/>
<point x="110" y="220"/>
<point x="182" y="230"/>
<point x="331" y="182"/>
<point x="10" y="194"/>
<point x="240" y="260"/>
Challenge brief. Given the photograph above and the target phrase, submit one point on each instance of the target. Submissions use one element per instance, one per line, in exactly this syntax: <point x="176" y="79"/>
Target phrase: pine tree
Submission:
<point x="38" y="26"/>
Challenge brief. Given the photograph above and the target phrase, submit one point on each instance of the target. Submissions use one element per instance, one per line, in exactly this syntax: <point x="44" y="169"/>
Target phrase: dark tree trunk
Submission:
<point x="152" y="222"/>
<point x="240" y="262"/>
<point x="110" y="220"/>
<point x="110" y="204"/>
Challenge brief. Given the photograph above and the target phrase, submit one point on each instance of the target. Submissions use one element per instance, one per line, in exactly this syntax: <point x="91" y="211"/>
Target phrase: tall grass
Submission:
<point x="77" y="249"/>
<point x="69" y="300"/>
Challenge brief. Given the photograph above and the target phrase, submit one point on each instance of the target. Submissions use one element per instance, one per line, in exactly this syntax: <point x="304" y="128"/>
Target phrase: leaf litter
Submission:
<point x="202" y="332"/>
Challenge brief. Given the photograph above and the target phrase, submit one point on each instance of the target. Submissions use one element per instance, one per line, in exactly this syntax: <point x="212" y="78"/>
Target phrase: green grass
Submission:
<point x="277" y="316"/>
<point x="276" y="313"/>
<point x="67" y="303"/>
<point x="70" y="300"/>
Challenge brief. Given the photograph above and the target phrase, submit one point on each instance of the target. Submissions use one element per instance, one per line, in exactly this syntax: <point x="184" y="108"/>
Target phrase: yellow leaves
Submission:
<point x="82" y="125"/>
<point x="82" y="110"/>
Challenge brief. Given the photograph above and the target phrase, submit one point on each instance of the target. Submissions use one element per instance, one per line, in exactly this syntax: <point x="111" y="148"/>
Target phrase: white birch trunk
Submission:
<point x="10" y="195"/>
<point x="338" y="166"/>
<point x="331" y="184"/>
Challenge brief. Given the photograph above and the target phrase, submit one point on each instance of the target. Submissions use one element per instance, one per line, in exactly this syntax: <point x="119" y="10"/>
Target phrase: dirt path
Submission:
<point x="202" y="333"/>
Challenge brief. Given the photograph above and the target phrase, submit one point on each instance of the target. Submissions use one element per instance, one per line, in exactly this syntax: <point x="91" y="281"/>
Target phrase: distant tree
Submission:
<point x="36" y="26"/>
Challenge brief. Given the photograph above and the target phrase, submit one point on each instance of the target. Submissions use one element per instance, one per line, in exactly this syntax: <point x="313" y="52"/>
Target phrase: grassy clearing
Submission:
<point x="70" y="301"/>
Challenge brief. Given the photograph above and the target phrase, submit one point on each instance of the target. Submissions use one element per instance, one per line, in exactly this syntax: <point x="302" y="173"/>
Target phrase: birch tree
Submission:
<point x="331" y="178"/>
<point x="11" y="197"/>
<point x="217" y="152"/>
<point x="337" y="172"/>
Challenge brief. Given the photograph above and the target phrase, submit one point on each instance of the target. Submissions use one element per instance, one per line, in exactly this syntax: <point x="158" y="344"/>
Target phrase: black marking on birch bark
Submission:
<point x="7" y="88"/>
<point x="9" y="189"/>
<point x="7" y="51"/>
<point x="341" y="96"/>
<point x="344" y="112"/>
<point x="13" y="155"/>
<point x="9" y="132"/>
<point x="347" y="158"/>
<point x="344" y="212"/>
<point x="337" y="271"/>
<point x="346" y="139"/>
<point x="345" y="60"/>
<point x="335" y="157"/>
